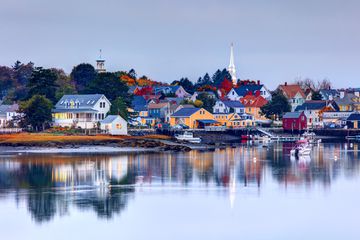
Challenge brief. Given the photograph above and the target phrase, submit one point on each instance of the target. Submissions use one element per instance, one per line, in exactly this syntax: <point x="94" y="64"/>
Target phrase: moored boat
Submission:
<point x="188" y="136"/>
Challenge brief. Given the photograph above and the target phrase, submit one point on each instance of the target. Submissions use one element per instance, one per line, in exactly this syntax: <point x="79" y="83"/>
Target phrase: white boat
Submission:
<point x="301" y="149"/>
<point x="188" y="136"/>
<point x="311" y="137"/>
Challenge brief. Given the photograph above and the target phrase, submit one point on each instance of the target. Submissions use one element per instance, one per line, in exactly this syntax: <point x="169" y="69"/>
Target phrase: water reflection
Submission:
<point x="50" y="185"/>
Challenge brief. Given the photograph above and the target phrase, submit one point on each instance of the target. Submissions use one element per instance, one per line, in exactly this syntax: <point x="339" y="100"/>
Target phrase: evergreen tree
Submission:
<point x="36" y="112"/>
<point x="207" y="100"/>
<point x="108" y="84"/>
<point x="119" y="107"/>
<point x="278" y="105"/>
<point x="316" y="95"/>
<point x="82" y="75"/>
<point x="43" y="82"/>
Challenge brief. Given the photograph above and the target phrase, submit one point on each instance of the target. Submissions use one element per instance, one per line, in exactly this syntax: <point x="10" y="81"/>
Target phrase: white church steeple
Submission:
<point x="100" y="64"/>
<point x="231" y="67"/>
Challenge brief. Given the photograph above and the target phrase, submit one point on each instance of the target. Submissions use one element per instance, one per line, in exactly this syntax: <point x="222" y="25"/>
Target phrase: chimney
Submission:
<point x="285" y="83"/>
<point x="342" y="93"/>
<point x="258" y="82"/>
<point x="357" y="93"/>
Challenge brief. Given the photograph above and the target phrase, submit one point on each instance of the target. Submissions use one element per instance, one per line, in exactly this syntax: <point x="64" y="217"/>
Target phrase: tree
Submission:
<point x="64" y="83"/>
<point x="43" y="82"/>
<point x="108" y="84"/>
<point x="132" y="73"/>
<point x="119" y="107"/>
<point x="6" y="80"/>
<point x="208" y="101"/>
<point x="316" y="95"/>
<point x="226" y="85"/>
<point x="22" y="75"/>
<point x="206" y="80"/>
<point x="36" y="112"/>
<point x="186" y="84"/>
<point x="324" y="84"/>
<point x="219" y="76"/>
<point x="278" y="105"/>
<point x="82" y="75"/>
<point x="198" y="103"/>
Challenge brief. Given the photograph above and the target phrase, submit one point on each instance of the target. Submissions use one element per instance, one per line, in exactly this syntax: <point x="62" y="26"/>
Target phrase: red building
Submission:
<point x="294" y="121"/>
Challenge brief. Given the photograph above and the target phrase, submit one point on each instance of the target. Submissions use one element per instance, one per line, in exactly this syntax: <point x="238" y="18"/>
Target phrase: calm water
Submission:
<point x="248" y="192"/>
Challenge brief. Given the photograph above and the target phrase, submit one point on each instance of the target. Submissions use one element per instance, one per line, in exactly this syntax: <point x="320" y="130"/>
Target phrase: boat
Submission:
<point x="188" y="136"/>
<point x="302" y="148"/>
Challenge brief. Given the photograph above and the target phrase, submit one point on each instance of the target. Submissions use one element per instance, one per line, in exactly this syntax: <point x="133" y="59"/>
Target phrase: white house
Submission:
<point x="236" y="94"/>
<point x="7" y="114"/>
<point x="177" y="90"/>
<point x="294" y="94"/>
<point x="80" y="111"/>
<point x="222" y="106"/>
<point x="114" y="125"/>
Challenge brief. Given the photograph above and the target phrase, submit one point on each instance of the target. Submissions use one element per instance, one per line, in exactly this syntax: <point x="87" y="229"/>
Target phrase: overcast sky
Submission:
<point x="274" y="41"/>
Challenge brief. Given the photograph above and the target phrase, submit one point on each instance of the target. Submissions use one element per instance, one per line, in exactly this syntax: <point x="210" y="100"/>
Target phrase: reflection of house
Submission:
<point x="228" y="106"/>
<point x="192" y="117"/>
<point x="293" y="93"/>
<point x="83" y="111"/>
<point x="8" y="113"/>
<point x="114" y="125"/>
<point x="294" y="121"/>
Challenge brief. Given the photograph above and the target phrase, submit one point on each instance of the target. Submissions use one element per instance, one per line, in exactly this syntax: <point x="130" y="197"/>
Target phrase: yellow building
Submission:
<point x="253" y="106"/>
<point x="193" y="118"/>
<point x="234" y="120"/>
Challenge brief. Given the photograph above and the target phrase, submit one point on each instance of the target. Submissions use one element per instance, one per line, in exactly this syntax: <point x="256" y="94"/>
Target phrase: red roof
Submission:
<point x="290" y="90"/>
<point x="253" y="101"/>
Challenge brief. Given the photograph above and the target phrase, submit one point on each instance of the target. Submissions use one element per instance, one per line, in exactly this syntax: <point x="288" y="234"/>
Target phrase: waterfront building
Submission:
<point x="313" y="111"/>
<point x="335" y="118"/>
<point x="353" y="121"/>
<point x="294" y="121"/>
<point x="235" y="120"/>
<point x="228" y="106"/>
<point x="293" y="93"/>
<point x="80" y="111"/>
<point x="193" y="118"/>
<point x="159" y="110"/>
<point x="7" y="114"/>
<point x="114" y="125"/>
<point x="253" y="106"/>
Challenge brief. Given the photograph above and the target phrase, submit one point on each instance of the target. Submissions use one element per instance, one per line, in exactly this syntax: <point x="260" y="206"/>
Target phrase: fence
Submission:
<point x="10" y="130"/>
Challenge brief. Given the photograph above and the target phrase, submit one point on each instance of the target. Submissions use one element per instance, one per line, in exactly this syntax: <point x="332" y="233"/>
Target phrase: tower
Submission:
<point x="100" y="64"/>
<point x="231" y="67"/>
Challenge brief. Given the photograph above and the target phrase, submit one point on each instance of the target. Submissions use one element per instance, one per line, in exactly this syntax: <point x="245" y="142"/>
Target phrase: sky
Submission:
<point x="274" y="40"/>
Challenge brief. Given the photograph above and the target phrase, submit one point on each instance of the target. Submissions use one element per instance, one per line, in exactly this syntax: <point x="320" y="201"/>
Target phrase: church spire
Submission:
<point x="231" y="67"/>
<point x="100" y="64"/>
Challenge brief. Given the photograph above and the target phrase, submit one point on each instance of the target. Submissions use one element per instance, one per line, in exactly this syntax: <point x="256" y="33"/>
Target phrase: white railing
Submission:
<point x="10" y="130"/>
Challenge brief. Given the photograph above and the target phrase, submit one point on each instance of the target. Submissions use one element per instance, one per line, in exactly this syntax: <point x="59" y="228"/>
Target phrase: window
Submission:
<point x="118" y="126"/>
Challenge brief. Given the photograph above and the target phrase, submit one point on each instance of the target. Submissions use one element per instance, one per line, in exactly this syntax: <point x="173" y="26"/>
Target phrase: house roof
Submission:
<point x="110" y="119"/>
<point x="290" y="90"/>
<point x="292" y="114"/>
<point x="354" y="116"/>
<point x="138" y="103"/>
<point x="311" y="105"/>
<point x="85" y="101"/>
<point x="326" y="93"/>
<point x="253" y="101"/>
<point x="185" y="112"/>
<point x="233" y="104"/>
<point x="349" y="98"/>
<point x="8" y="108"/>
<point x="158" y="105"/>
<point x="250" y="88"/>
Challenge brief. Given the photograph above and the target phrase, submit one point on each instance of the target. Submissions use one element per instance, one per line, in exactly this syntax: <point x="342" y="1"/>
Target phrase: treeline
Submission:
<point x="37" y="89"/>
